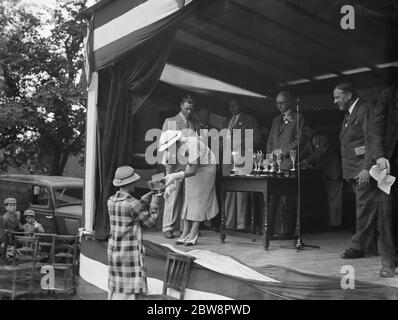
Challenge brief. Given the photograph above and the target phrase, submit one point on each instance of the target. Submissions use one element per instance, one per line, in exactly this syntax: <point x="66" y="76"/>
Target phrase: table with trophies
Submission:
<point x="266" y="178"/>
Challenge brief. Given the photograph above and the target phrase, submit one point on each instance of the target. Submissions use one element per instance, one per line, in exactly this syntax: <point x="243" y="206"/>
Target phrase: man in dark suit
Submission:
<point x="283" y="133"/>
<point x="356" y="162"/>
<point x="384" y="149"/>
<point x="236" y="203"/>
<point x="173" y="204"/>
<point x="282" y="138"/>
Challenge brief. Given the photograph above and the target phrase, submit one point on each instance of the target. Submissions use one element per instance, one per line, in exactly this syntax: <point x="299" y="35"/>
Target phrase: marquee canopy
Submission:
<point x="261" y="46"/>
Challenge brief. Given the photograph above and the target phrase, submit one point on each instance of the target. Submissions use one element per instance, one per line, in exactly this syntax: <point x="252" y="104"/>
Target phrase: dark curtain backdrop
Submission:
<point x="123" y="89"/>
<point x="124" y="86"/>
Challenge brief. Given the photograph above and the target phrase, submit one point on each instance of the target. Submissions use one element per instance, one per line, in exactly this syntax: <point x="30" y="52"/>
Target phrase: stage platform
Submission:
<point x="324" y="261"/>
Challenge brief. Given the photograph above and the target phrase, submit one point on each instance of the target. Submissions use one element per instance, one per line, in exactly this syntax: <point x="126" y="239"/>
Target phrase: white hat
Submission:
<point x="168" y="138"/>
<point x="125" y="175"/>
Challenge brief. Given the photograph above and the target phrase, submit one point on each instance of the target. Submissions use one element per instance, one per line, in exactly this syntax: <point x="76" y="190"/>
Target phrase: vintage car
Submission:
<point x="56" y="200"/>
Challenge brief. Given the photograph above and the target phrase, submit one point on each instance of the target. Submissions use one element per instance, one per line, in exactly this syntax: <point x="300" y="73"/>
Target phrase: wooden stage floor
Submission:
<point x="325" y="261"/>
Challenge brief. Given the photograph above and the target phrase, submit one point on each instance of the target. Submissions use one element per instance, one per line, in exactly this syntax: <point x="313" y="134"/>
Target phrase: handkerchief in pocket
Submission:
<point x="359" y="151"/>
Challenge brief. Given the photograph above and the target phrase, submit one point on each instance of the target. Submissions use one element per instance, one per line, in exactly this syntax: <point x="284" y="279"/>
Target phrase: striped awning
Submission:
<point x="121" y="25"/>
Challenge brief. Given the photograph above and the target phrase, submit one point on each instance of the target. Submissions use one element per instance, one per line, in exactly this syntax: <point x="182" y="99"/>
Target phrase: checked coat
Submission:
<point x="127" y="273"/>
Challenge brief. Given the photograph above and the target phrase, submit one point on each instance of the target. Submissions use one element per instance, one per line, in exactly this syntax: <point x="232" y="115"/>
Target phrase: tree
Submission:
<point x="42" y="106"/>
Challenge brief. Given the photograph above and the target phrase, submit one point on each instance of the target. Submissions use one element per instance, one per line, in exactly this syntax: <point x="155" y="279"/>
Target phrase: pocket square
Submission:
<point x="359" y="151"/>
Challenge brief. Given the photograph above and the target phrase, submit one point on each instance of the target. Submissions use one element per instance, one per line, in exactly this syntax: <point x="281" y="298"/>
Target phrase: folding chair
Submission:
<point x="24" y="259"/>
<point x="64" y="260"/>
<point x="177" y="272"/>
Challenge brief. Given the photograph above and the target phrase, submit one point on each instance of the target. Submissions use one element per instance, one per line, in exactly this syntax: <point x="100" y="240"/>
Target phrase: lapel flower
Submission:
<point x="288" y="119"/>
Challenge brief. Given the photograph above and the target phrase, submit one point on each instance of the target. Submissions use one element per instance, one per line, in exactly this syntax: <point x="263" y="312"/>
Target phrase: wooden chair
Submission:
<point x="64" y="260"/>
<point x="45" y="250"/>
<point x="177" y="272"/>
<point x="22" y="268"/>
<point x="9" y="238"/>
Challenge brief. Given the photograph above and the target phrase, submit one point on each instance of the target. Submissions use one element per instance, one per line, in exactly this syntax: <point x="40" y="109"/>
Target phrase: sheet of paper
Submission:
<point x="384" y="180"/>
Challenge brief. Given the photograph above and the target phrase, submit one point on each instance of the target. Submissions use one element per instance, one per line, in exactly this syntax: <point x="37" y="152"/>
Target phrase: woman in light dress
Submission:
<point x="187" y="158"/>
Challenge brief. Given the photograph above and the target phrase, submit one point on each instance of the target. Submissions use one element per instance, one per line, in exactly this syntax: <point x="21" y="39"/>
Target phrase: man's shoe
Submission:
<point x="352" y="253"/>
<point x="168" y="235"/>
<point x="176" y="233"/>
<point x="387" y="272"/>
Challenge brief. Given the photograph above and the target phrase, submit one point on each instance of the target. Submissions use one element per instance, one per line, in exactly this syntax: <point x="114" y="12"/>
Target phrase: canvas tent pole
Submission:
<point x="90" y="156"/>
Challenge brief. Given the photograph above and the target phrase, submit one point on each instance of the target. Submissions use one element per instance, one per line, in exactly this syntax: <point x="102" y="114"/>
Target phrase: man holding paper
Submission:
<point x="356" y="163"/>
<point x="384" y="149"/>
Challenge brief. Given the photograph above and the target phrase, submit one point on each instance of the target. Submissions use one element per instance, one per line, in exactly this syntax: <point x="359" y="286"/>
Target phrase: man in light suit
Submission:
<point x="356" y="161"/>
<point x="282" y="138"/>
<point x="236" y="203"/>
<point x="384" y="149"/>
<point x="173" y="204"/>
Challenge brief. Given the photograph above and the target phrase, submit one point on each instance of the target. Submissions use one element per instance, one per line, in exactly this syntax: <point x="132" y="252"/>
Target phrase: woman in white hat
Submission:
<point x="199" y="172"/>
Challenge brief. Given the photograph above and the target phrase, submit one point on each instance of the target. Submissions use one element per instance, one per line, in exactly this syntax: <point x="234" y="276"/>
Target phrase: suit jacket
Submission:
<point x="384" y="124"/>
<point x="178" y="123"/>
<point x="246" y="121"/>
<point x="243" y="122"/>
<point x="284" y="136"/>
<point x="355" y="141"/>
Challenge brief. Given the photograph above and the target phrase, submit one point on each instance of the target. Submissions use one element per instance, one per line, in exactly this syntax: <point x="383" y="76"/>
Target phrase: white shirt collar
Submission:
<point x="236" y="116"/>
<point x="185" y="119"/>
<point x="287" y="113"/>
<point x="353" y="106"/>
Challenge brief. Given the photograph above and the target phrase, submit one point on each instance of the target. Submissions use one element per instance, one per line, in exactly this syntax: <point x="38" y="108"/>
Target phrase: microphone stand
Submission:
<point x="299" y="244"/>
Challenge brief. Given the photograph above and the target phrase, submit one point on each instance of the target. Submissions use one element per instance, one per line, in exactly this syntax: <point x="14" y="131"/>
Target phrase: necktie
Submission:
<point x="345" y="122"/>
<point x="232" y="122"/>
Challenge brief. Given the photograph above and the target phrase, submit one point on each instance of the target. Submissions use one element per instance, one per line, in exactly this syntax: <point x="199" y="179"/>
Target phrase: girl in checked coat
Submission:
<point x="127" y="273"/>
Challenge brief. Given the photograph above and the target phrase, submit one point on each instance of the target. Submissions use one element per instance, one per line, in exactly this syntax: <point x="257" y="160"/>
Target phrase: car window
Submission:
<point x="68" y="196"/>
<point x="41" y="196"/>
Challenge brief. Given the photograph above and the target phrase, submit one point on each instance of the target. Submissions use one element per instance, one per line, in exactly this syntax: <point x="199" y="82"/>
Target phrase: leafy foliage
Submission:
<point x="42" y="106"/>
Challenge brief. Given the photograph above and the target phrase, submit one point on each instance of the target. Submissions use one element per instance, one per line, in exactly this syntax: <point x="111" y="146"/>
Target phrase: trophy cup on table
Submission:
<point x="254" y="163"/>
<point x="265" y="164"/>
<point x="279" y="161"/>
<point x="292" y="154"/>
<point x="233" y="158"/>
<point x="270" y="157"/>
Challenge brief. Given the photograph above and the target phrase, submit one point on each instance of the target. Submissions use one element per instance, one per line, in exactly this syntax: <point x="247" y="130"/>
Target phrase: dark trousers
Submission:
<point x="374" y="219"/>
<point x="282" y="214"/>
<point x="366" y="204"/>
<point x="388" y="221"/>
<point x="385" y="230"/>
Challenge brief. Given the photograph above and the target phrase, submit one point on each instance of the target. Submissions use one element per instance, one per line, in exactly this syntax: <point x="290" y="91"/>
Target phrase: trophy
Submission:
<point x="157" y="184"/>
<point x="254" y="162"/>
<point x="233" y="169"/>
<point x="265" y="164"/>
<point x="271" y="162"/>
<point x="260" y="160"/>
<point x="292" y="154"/>
<point x="278" y="161"/>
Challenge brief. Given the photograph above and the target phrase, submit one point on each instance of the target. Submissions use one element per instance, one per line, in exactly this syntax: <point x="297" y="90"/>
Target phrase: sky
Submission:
<point x="46" y="31"/>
